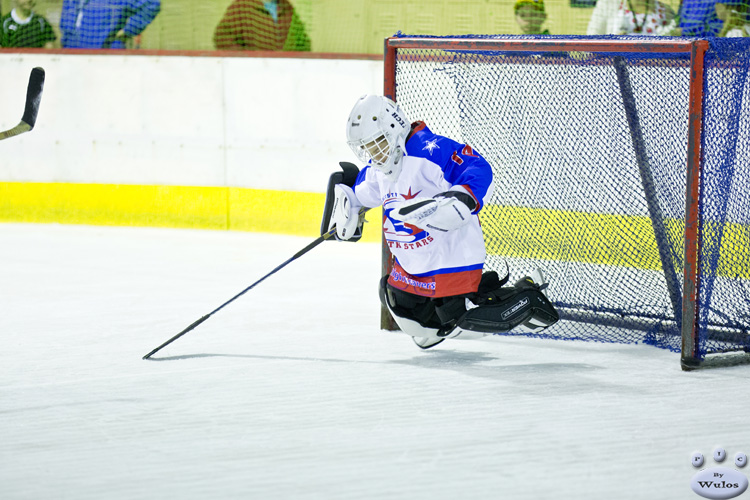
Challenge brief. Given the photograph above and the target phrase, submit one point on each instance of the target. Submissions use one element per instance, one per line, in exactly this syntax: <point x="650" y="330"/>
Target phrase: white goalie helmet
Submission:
<point x="376" y="131"/>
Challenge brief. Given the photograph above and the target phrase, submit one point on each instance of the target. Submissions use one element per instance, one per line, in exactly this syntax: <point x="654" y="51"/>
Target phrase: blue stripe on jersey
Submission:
<point x="361" y="175"/>
<point x="446" y="270"/>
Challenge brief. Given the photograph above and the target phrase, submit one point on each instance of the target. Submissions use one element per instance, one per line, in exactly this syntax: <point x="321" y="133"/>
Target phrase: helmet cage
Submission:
<point x="376" y="148"/>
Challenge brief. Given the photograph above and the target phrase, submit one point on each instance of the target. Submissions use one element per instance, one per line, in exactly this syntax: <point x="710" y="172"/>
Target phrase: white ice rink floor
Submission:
<point x="293" y="392"/>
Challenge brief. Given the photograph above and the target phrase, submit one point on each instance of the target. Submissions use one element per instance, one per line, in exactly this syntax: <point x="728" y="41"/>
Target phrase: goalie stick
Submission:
<point x="320" y="239"/>
<point x="33" y="98"/>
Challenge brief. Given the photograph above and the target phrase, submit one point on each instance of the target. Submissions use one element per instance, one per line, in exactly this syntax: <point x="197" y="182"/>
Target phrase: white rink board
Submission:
<point x="266" y="123"/>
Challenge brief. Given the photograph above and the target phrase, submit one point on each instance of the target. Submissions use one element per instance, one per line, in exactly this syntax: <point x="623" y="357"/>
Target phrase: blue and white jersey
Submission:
<point x="429" y="262"/>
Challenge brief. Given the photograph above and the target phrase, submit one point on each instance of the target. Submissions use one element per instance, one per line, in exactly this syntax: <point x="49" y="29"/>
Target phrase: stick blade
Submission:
<point x="33" y="97"/>
<point x="18" y="129"/>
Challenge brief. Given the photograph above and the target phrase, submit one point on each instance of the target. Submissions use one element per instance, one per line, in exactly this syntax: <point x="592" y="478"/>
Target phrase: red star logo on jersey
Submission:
<point x="410" y="196"/>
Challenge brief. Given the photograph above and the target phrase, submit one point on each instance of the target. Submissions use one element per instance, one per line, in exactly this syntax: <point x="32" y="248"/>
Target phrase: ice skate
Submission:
<point x="534" y="278"/>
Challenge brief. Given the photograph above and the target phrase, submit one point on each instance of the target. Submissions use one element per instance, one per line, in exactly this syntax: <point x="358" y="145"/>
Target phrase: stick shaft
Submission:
<point x="297" y="255"/>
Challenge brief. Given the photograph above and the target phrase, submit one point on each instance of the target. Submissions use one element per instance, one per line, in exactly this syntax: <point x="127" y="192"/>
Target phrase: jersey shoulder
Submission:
<point x="437" y="148"/>
<point x="424" y="143"/>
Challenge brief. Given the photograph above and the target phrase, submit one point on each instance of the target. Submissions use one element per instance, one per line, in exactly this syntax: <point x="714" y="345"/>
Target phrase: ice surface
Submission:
<point x="293" y="392"/>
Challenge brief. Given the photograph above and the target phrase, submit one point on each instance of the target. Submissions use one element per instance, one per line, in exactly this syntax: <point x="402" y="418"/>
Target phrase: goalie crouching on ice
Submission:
<point x="431" y="189"/>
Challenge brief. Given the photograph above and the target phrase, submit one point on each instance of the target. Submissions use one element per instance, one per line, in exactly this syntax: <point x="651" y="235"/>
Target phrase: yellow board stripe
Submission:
<point x="619" y="240"/>
<point x="242" y="209"/>
<point x="115" y="205"/>
<point x="517" y="231"/>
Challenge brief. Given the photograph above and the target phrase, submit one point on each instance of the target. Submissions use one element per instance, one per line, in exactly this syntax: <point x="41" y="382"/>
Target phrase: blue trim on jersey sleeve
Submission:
<point x="361" y="176"/>
<point x="473" y="171"/>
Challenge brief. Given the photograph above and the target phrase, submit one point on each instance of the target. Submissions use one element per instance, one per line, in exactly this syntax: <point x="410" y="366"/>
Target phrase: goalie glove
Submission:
<point x="445" y="212"/>
<point x="345" y="215"/>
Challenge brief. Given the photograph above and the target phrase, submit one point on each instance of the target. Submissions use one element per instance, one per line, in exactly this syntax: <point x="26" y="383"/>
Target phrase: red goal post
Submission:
<point x="499" y="92"/>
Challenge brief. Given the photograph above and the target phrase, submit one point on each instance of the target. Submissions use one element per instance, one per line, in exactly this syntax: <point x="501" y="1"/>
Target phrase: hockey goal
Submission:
<point x="621" y="170"/>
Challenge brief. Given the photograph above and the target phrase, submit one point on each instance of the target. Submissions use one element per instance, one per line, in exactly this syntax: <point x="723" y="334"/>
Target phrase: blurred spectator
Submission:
<point x="22" y="27"/>
<point x="261" y="25"/>
<point x="530" y="15"/>
<point x="697" y="18"/>
<point x="734" y="15"/>
<point x="630" y="17"/>
<point x="104" y="24"/>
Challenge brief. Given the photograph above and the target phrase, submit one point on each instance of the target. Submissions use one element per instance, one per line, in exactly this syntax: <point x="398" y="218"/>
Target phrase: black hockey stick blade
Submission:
<point x="31" y="108"/>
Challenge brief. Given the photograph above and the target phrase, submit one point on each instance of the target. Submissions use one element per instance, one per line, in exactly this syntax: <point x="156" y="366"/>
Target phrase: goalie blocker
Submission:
<point x="494" y="309"/>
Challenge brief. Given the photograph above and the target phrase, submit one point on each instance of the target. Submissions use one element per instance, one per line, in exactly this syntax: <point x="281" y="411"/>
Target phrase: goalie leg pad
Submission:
<point x="418" y="317"/>
<point x="424" y="335"/>
<point x="402" y="305"/>
<point x="523" y="306"/>
<point x="449" y="309"/>
<point x="414" y="315"/>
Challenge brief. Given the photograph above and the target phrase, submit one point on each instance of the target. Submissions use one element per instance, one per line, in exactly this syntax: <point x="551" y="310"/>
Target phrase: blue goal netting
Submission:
<point x="590" y="143"/>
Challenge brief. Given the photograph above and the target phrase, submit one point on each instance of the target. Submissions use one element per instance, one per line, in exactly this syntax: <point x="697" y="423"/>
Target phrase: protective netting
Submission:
<point x="589" y="152"/>
<point x="339" y="26"/>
